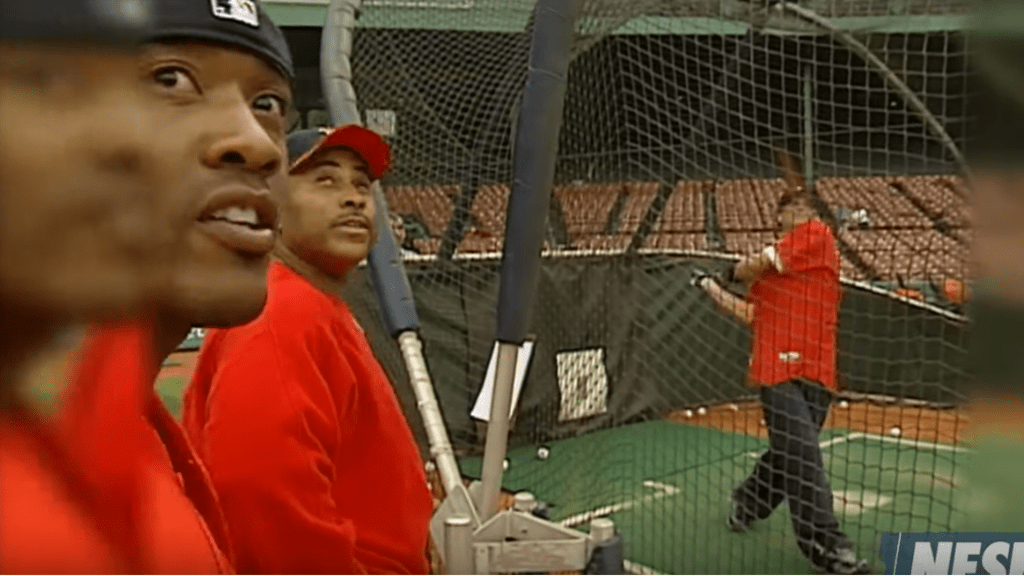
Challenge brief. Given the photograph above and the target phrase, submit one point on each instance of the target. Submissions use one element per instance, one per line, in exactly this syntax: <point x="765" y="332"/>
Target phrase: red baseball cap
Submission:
<point x="303" y="144"/>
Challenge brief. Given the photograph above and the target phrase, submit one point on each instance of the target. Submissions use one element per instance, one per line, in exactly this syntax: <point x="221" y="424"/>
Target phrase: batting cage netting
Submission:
<point x="681" y="120"/>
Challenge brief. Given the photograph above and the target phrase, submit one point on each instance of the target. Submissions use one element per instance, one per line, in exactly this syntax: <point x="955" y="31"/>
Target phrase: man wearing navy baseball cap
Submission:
<point x="218" y="76"/>
<point x="330" y="481"/>
<point x="76" y="245"/>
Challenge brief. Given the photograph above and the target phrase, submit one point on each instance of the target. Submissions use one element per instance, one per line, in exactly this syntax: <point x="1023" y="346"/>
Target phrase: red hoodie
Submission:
<point x="315" y="464"/>
<point x="133" y="449"/>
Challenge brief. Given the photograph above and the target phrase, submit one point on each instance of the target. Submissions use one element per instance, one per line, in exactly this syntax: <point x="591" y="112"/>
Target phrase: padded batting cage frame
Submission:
<point x="472" y="536"/>
<point x="671" y="128"/>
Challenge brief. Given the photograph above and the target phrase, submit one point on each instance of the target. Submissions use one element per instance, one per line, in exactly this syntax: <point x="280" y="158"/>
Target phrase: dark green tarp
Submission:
<point x="665" y="345"/>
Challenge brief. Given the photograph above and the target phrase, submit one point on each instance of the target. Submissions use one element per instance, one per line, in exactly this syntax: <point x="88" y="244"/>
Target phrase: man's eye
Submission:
<point x="270" y="103"/>
<point x="174" y="79"/>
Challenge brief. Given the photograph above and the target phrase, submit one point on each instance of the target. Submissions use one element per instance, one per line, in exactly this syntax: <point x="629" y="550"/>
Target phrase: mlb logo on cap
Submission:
<point x="243" y="11"/>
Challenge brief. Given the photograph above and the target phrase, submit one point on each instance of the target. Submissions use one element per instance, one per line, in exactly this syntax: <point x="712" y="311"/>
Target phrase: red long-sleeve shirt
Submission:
<point x="53" y="520"/>
<point x="139" y="459"/>
<point x="306" y="443"/>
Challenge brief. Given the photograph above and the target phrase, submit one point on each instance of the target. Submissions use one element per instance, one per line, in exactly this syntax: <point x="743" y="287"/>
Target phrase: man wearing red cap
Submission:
<point x="315" y="465"/>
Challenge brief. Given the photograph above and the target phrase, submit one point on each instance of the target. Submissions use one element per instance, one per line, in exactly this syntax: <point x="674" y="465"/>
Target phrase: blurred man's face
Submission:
<point x="328" y="217"/>
<point x="229" y="109"/>
<point x="398" y="228"/>
<point x="793" y="214"/>
<point x="77" y="234"/>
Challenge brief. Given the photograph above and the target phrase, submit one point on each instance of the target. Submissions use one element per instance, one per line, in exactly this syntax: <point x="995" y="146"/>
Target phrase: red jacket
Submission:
<point x="138" y="455"/>
<point x="315" y="464"/>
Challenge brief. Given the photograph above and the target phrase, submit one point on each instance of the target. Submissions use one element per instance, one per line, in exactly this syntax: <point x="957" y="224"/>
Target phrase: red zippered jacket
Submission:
<point x="308" y="448"/>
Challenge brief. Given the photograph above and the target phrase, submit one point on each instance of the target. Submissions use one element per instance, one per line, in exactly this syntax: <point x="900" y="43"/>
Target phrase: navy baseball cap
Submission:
<point x="303" y="144"/>
<point x="237" y="23"/>
<point x="90" y="21"/>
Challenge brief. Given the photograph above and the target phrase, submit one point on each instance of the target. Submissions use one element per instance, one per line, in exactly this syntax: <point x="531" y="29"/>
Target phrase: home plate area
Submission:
<point x="851" y="502"/>
<point x="666" y="486"/>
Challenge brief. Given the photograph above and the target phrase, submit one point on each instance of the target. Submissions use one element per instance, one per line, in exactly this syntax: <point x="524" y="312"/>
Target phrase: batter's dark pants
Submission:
<point x="792" y="468"/>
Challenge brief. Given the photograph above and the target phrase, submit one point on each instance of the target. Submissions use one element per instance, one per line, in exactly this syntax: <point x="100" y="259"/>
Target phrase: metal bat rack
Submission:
<point x="471" y="535"/>
<point x="512" y="541"/>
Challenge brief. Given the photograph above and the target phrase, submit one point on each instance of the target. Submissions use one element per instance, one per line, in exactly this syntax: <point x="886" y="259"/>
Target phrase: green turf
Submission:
<point x="170" y="391"/>
<point x="684" y="531"/>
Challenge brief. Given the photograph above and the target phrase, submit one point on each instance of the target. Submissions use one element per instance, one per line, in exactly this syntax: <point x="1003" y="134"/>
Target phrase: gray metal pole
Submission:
<point x="808" y="132"/>
<point x="458" y="545"/>
<point x="497" y="431"/>
<point x="437" y="434"/>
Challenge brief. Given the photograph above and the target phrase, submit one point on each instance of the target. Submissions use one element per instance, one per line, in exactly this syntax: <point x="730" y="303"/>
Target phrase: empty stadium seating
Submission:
<point x="427" y="245"/>
<point x="684" y="209"/>
<point x="887" y="207"/>
<point x="638" y="199"/>
<point x="586" y="207"/>
<point x="909" y="254"/>
<point x="747" y="205"/>
<point x="747" y="242"/>
<point x="433" y="204"/>
<point x="899" y="241"/>
<point x="678" y="241"/>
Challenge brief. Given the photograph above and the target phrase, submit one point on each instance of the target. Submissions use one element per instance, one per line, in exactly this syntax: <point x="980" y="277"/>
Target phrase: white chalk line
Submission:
<point x="663" y="491"/>
<point x="634" y="568"/>
<point x="919" y="444"/>
<point x="825" y="444"/>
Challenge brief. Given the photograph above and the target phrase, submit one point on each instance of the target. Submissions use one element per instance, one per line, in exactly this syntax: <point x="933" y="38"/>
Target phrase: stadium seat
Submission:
<point x="684" y="210"/>
<point x="489" y="209"/>
<point x="747" y="205"/>
<point x="585" y="208"/>
<point x="939" y="196"/>
<point x="427" y="245"/>
<point x="678" y="241"/>
<point x="887" y="207"/>
<point x="638" y="199"/>
<point x="910" y="254"/>
<point x="747" y="242"/>
<point x="433" y="204"/>
<point x="479" y="244"/>
<point x="615" y="242"/>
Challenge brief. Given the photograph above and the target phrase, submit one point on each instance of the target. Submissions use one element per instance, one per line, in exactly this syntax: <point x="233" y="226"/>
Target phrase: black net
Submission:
<point x="677" y="116"/>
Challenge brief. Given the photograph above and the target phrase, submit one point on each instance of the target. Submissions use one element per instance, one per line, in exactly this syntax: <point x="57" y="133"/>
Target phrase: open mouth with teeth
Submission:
<point x="353" y="225"/>
<point x="242" y="228"/>
<point x="239" y="215"/>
